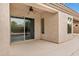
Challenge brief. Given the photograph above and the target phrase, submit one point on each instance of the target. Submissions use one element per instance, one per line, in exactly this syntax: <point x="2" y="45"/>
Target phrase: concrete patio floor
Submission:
<point x="45" y="48"/>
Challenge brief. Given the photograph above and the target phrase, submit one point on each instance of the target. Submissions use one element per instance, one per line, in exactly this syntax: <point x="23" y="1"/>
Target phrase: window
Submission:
<point x="42" y="25"/>
<point x="69" y="25"/>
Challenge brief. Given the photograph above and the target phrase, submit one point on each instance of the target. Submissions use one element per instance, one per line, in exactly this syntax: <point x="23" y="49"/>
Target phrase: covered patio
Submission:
<point x="45" y="48"/>
<point x="42" y="43"/>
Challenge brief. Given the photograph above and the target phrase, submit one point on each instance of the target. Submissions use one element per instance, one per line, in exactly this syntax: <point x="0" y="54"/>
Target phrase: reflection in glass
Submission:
<point x="17" y="29"/>
<point x="21" y="29"/>
<point x="69" y="25"/>
<point x="29" y="29"/>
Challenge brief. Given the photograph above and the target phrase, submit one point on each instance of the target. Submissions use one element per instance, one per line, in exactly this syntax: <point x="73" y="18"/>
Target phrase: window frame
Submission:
<point x="24" y="26"/>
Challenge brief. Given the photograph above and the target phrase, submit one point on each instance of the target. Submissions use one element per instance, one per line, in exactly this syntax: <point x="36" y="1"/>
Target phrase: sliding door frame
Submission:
<point x="25" y="18"/>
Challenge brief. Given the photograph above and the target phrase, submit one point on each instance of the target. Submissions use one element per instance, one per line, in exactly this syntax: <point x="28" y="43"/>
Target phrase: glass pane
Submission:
<point x="29" y="29"/>
<point x="17" y="29"/>
<point x="69" y="25"/>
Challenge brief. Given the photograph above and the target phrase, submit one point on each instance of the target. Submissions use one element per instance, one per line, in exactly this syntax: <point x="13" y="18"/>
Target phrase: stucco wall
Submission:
<point x="63" y="35"/>
<point x="51" y="27"/>
<point x="56" y="27"/>
<point x="22" y="10"/>
<point x="4" y="29"/>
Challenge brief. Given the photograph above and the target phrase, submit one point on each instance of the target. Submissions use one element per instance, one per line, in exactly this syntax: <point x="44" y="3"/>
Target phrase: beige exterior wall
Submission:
<point x="63" y="35"/>
<point x="4" y="29"/>
<point x="56" y="27"/>
<point x="51" y="27"/>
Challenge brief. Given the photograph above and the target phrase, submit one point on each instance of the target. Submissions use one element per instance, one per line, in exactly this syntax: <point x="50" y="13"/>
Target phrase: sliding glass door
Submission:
<point x="21" y="29"/>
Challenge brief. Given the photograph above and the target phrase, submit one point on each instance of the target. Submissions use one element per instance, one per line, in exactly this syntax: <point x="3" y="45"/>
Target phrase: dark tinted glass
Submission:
<point x="17" y="29"/>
